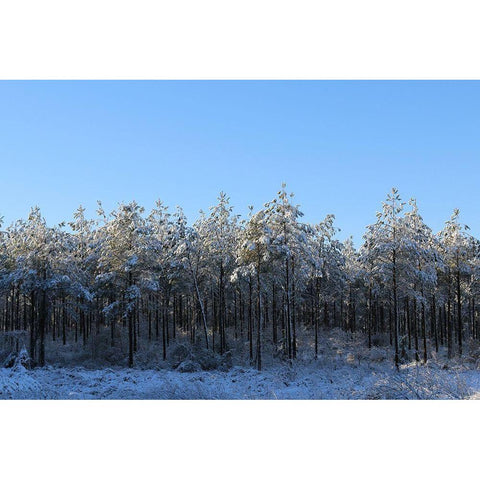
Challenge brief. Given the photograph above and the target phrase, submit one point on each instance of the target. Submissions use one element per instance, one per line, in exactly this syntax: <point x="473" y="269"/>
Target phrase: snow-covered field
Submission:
<point x="304" y="382"/>
<point x="345" y="369"/>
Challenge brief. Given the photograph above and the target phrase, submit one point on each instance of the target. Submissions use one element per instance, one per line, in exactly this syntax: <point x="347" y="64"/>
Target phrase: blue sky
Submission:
<point x="339" y="145"/>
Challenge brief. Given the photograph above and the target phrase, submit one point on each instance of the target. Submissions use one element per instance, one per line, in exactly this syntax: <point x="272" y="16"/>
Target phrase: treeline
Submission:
<point x="257" y="282"/>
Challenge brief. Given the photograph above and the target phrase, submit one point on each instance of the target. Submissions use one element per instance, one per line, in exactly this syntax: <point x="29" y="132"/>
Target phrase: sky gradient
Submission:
<point x="339" y="145"/>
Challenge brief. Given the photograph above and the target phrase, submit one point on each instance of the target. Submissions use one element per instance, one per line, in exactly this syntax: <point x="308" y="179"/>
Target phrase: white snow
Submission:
<point x="305" y="381"/>
<point x="346" y="369"/>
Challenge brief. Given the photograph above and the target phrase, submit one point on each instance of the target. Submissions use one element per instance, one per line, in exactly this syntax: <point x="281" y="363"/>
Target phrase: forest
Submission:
<point x="130" y="282"/>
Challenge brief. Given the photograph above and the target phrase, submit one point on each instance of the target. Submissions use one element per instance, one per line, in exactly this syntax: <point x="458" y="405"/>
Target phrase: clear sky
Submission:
<point x="339" y="145"/>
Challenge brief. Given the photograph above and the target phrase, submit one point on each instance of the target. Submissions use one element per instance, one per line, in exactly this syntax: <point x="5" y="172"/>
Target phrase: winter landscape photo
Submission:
<point x="239" y="240"/>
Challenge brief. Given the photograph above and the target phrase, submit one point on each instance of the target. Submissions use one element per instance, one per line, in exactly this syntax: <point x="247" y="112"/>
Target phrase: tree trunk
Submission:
<point x="395" y="308"/>
<point x="41" y="327"/>
<point x="32" y="326"/>
<point x="459" y="313"/>
<point x="130" y="327"/>
<point x="424" y="333"/>
<point x="259" y="318"/>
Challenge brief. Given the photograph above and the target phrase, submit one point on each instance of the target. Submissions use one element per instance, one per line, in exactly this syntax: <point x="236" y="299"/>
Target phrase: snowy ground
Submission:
<point x="304" y="382"/>
<point x="346" y="369"/>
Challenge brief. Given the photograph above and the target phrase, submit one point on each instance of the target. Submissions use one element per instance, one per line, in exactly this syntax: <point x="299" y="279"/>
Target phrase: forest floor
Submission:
<point x="302" y="382"/>
<point x="345" y="369"/>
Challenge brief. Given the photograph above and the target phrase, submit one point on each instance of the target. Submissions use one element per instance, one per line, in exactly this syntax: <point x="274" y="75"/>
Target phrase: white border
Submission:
<point x="243" y="40"/>
<point x="239" y="439"/>
<point x="248" y="39"/>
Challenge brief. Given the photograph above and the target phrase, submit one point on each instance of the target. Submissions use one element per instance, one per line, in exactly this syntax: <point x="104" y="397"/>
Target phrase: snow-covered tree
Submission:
<point x="268" y="284"/>
<point x="456" y="245"/>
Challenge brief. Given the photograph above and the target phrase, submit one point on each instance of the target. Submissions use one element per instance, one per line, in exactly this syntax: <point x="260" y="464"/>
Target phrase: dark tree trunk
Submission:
<point x="32" y="325"/>
<point x="274" y="316"/>
<point x="130" y="319"/>
<point x="259" y="319"/>
<point x="164" y="328"/>
<point x="424" y="333"/>
<point x="459" y="313"/>
<point x="250" y="319"/>
<point x="369" y="316"/>
<point x="409" y="323"/>
<point x="415" y="329"/>
<point x="433" y="313"/>
<point x="41" y="327"/>
<point x="449" y="328"/>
